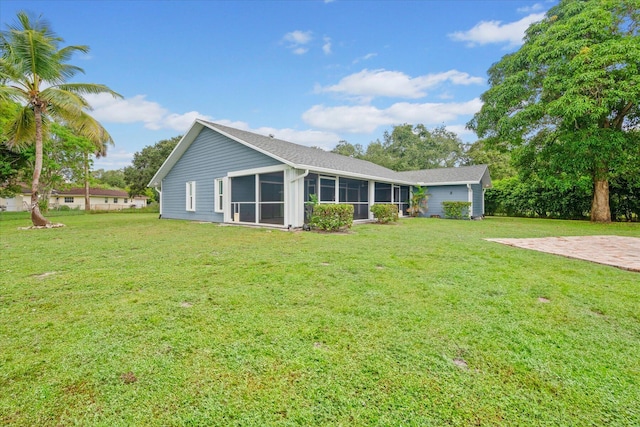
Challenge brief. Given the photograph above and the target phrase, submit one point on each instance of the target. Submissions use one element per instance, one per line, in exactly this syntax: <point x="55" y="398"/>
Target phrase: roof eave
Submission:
<point x="176" y="153"/>
<point x="329" y="171"/>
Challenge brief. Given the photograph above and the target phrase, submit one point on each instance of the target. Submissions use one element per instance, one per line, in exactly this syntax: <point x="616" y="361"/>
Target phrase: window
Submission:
<point x="68" y="199"/>
<point x="383" y="193"/>
<point x="126" y="201"/>
<point x="327" y="189"/>
<point x="219" y="195"/>
<point x="272" y="198"/>
<point x="401" y="198"/>
<point x="258" y="198"/>
<point x="355" y="192"/>
<point x="106" y="200"/>
<point x="115" y="200"/>
<point x="191" y="196"/>
<point x="243" y="198"/>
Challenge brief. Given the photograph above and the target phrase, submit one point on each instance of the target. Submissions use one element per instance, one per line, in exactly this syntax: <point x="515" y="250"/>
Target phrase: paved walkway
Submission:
<point x="618" y="251"/>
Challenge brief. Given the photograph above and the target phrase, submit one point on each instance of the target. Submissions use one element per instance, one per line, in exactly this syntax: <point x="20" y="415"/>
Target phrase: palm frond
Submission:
<point x="88" y="88"/>
<point x="88" y="127"/>
<point x="21" y="130"/>
<point x="11" y="93"/>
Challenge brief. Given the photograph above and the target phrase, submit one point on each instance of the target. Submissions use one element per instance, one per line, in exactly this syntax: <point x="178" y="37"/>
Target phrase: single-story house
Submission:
<point x="221" y="174"/>
<point x="99" y="198"/>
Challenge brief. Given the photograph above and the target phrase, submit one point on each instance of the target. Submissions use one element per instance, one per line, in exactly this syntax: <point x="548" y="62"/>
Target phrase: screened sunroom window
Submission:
<point x="383" y="193"/>
<point x="258" y="198"/>
<point x="243" y="198"/>
<point x="327" y="190"/>
<point x="355" y="192"/>
<point x="272" y="198"/>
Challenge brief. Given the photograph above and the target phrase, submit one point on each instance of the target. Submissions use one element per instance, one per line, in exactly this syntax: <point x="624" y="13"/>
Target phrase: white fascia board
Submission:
<point x="345" y="174"/>
<point x="175" y="155"/>
<point x="434" y="184"/>
<point x="257" y="171"/>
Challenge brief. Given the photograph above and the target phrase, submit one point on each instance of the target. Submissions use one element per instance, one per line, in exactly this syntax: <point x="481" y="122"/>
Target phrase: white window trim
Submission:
<point x="219" y="190"/>
<point x="191" y="196"/>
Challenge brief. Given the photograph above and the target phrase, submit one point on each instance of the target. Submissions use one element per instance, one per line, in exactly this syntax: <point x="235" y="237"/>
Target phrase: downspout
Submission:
<point x="160" y="203"/>
<point x="304" y="175"/>
<point x="470" y="200"/>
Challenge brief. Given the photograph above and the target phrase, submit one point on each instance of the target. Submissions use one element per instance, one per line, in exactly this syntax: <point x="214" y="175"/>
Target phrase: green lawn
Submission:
<point x="128" y="320"/>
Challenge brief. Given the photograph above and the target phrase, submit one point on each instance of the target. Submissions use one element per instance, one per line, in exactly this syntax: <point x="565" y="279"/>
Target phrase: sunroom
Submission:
<point x="278" y="197"/>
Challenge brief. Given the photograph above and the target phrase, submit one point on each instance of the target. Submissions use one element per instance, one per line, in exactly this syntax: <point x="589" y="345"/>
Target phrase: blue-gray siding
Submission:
<point x="454" y="193"/>
<point x="210" y="156"/>
<point x="445" y="193"/>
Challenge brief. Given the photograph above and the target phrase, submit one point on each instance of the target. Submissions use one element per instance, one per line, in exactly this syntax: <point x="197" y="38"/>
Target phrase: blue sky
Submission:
<point x="312" y="72"/>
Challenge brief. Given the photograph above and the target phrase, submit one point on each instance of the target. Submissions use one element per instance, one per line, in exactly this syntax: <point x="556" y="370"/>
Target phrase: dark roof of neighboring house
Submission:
<point x="302" y="157"/>
<point x="93" y="191"/>
<point x="79" y="191"/>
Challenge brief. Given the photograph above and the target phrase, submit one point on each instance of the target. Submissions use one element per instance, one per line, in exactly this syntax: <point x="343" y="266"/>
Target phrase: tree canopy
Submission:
<point x="568" y="101"/>
<point x="409" y="147"/>
<point x="145" y="165"/>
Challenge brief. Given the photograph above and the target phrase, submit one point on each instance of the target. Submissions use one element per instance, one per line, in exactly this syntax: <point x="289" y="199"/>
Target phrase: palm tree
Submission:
<point x="34" y="71"/>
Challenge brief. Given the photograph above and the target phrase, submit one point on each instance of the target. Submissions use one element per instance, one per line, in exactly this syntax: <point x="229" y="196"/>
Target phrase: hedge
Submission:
<point x="457" y="210"/>
<point x="385" y="213"/>
<point x="331" y="217"/>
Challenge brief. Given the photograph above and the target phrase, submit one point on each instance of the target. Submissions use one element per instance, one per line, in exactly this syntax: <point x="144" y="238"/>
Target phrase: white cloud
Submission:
<point x="370" y="83"/>
<point x="114" y="160"/>
<point x="365" y="57"/>
<point x="460" y="130"/>
<point x="367" y="118"/>
<point x="326" y="47"/>
<point x="298" y="37"/>
<point x="138" y="109"/>
<point x="486" y="32"/>
<point x="529" y="9"/>
<point x="297" y="41"/>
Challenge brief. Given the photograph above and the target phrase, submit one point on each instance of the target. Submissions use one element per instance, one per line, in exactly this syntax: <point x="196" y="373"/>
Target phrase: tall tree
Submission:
<point x="34" y="71"/>
<point x="410" y="147"/>
<point x="69" y="142"/>
<point x="499" y="162"/>
<point x="145" y="165"/>
<point x="111" y="178"/>
<point x="571" y="94"/>
<point x="350" y="150"/>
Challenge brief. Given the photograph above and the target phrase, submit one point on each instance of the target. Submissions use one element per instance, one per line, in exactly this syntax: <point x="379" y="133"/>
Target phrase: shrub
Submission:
<point x="332" y="217"/>
<point x="457" y="210"/>
<point x="385" y="213"/>
<point x="64" y="208"/>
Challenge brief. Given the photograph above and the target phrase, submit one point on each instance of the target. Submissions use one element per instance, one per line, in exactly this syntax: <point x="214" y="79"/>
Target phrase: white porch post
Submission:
<point x="372" y="197"/>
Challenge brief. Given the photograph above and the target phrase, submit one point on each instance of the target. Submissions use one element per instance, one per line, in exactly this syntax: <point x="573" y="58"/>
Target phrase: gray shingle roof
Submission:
<point x="448" y="175"/>
<point x="302" y="157"/>
<point x="306" y="157"/>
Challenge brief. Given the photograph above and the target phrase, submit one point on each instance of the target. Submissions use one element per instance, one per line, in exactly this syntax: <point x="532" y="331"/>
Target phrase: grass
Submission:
<point x="128" y="320"/>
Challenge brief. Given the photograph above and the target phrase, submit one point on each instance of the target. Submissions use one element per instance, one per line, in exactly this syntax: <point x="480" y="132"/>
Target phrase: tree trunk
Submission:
<point x="36" y="217"/>
<point x="600" y="210"/>
<point x="87" y="198"/>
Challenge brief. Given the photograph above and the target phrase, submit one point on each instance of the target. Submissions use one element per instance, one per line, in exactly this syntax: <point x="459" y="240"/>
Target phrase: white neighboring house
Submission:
<point x="99" y="198"/>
